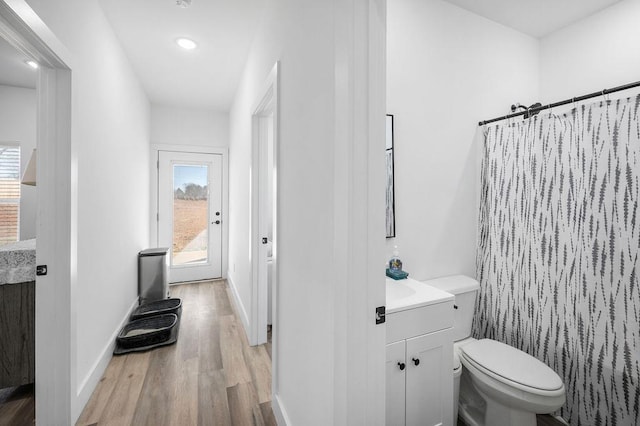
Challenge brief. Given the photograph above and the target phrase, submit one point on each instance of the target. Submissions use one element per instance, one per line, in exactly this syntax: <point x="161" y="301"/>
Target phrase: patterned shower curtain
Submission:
<point x="558" y="252"/>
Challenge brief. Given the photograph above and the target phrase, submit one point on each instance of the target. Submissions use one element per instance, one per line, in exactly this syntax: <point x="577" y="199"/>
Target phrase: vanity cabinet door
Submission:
<point x="429" y="379"/>
<point x="395" y="388"/>
<point x="17" y="334"/>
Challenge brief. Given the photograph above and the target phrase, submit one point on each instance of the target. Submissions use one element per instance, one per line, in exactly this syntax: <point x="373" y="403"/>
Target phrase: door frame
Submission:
<point x="211" y="268"/>
<point x="155" y="207"/>
<point x="57" y="399"/>
<point x="266" y="106"/>
<point x="359" y="210"/>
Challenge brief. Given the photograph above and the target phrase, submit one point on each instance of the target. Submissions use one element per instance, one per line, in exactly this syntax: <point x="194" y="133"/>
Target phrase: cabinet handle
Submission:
<point x="416" y="361"/>
<point x="401" y="365"/>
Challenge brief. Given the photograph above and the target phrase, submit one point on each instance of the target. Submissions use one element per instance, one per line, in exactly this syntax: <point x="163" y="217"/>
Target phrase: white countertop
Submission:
<point x="409" y="294"/>
<point x="18" y="262"/>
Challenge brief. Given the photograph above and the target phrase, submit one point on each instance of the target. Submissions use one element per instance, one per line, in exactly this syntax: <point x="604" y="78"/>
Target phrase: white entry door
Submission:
<point x="190" y="214"/>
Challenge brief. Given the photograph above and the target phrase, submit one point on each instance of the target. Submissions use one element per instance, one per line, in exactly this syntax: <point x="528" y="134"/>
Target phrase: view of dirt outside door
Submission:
<point x="190" y="214"/>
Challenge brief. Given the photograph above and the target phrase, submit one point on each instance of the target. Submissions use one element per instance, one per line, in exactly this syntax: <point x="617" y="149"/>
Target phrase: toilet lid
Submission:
<point x="511" y="364"/>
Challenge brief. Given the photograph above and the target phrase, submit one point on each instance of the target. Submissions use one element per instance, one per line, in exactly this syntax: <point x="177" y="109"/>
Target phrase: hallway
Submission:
<point x="211" y="376"/>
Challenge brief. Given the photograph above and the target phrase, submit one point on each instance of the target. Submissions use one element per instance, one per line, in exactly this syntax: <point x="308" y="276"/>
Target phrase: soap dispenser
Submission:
<point x="395" y="264"/>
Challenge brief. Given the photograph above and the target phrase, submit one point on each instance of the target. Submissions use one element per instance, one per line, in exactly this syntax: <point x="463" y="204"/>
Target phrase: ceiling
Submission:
<point x="536" y="18"/>
<point x="13" y="70"/>
<point x="206" y="77"/>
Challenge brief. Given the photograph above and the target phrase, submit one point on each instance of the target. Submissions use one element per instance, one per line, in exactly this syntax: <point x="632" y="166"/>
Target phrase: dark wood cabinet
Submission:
<point x="17" y="334"/>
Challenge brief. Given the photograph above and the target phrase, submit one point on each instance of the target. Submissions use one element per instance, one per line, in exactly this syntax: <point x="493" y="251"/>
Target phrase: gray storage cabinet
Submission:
<point x="153" y="274"/>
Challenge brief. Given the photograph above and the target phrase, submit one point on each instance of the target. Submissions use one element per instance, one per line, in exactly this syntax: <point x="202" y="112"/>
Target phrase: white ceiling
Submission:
<point x="206" y="77"/>
<point x="537" y="18"/>
<point x="13" y="70"/>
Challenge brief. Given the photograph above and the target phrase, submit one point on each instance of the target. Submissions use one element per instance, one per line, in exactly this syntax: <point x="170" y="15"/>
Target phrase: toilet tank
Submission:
<point x="465" y="289"/>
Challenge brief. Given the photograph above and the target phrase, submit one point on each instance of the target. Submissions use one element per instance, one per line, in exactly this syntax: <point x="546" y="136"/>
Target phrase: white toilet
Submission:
<point x="498" y="384"/>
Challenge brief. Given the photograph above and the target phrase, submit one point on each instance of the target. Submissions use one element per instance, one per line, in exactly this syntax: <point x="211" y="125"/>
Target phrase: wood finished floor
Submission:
<point x="17" y="406"/>
<point x="541" y="420"/>
<point x="211" y="376"/>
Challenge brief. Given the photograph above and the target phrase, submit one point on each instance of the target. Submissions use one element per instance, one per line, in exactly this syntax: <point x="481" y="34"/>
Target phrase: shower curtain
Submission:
<point x="558" y="252"/>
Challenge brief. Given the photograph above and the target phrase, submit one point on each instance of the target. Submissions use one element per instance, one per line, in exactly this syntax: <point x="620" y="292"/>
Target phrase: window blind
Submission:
<point x="9" y="192"/>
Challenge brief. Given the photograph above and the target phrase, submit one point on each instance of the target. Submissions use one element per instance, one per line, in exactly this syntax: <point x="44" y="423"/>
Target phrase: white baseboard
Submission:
<point x="89" y="383"/>
<point x="282" y="419"/>
<point x="239" y="306"/>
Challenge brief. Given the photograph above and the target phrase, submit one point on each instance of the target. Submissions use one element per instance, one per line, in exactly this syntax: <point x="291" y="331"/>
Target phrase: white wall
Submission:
<point x="447" y="69"/>
<point x="305" y="246"/>
<point x="189" y="126"/>
<point x="598" y="52"/>
<point x="311" y="321"/>
<point x="110" y="119"/>
<point x="18" y="124"/>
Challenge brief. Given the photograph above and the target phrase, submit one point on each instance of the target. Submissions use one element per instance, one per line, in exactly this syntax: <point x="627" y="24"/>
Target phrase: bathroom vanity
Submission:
<point x="17" y="313"/>
<point x="419" y="354"/>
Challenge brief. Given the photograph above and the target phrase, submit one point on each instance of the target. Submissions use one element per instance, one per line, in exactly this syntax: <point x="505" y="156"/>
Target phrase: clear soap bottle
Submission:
<point x="395" y="264"/>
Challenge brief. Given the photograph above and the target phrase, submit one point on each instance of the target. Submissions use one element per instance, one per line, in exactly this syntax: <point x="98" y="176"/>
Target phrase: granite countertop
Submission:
<point x="18" y="262"/>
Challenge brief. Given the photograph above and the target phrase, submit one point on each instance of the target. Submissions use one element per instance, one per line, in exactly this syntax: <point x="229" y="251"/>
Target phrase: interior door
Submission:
<point x="190" y="214"/>
<point x="265" y="223"/>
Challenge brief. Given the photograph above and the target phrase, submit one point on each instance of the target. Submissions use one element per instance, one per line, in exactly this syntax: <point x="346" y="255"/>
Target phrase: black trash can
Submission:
<point x="153" y="274"/>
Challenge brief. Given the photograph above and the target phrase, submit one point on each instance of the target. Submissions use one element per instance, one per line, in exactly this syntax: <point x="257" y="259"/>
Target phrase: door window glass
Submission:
<point x="190" y="214"/>
<point x="9" y="192"/>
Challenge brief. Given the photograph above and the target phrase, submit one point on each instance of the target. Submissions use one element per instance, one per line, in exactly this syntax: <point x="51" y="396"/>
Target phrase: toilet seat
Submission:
<point x="512" y="367"/>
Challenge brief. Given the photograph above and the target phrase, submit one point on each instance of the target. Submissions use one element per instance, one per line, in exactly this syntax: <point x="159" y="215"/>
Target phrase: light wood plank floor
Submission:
<point x="17" y="406"/>
<point x="541" y="420"/>
<point x="211" y="376"/>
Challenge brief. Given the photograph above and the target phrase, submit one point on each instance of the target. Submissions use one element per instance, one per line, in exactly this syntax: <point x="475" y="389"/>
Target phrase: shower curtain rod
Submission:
<point x="565" y="102"/>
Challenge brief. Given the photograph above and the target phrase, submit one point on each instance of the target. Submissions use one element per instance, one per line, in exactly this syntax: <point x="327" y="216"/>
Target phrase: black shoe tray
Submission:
<point x="146" y="333"/>
<point x="158" y="307"/>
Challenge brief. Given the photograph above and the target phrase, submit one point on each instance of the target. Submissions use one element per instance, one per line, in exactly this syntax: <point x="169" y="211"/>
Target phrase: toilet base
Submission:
<point x="475" y="408"/>
<point x="471" y="406"/>
<point x="498" y="414"/>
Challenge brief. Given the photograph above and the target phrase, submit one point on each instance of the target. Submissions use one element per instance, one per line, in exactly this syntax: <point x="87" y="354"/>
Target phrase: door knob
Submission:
<point x="217" y="222"/>
<point x="416" y="361"/>
<point x="401" y="365"/>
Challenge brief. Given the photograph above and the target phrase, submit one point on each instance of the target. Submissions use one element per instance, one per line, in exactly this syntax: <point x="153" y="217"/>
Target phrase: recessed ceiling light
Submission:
<point x="186" y="43"/>
<point x="32" y="64"/>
